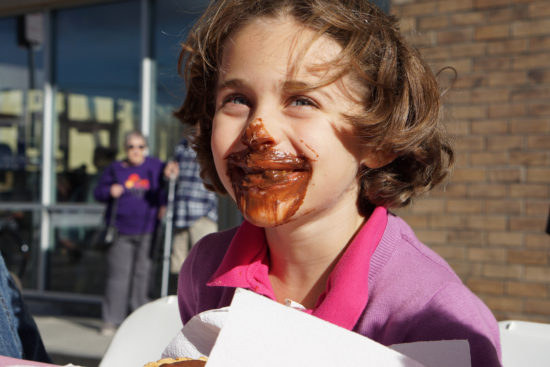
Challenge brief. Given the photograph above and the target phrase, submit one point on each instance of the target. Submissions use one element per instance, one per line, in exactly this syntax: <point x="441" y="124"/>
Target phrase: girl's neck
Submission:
<point x="303" y="255"/>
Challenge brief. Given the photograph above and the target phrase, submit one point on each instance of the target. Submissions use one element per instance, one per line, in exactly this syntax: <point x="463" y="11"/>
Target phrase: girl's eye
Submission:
<point x="237" y="99"/>
<point x="302" y="102"/>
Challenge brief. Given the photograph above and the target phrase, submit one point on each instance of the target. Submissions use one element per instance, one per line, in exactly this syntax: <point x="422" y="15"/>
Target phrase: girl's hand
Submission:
<point x="116" y="190"/>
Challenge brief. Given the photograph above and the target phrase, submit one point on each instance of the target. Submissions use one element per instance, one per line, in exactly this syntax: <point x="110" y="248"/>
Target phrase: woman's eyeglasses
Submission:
<point x="130" y="147"/>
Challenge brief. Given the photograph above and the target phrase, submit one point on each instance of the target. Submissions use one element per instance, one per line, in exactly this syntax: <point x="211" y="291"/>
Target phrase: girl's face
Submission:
<point x="284" y="155"/>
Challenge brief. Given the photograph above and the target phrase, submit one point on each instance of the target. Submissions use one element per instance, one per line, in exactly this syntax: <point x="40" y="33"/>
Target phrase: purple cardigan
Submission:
<point x="414" y="295"/>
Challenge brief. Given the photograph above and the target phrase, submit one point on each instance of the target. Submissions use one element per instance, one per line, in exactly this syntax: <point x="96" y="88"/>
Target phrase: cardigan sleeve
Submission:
<point x="456" y="313"/>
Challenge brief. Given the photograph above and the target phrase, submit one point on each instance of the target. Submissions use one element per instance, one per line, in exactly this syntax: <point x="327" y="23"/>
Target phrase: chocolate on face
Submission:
<point x="269" y="185"/>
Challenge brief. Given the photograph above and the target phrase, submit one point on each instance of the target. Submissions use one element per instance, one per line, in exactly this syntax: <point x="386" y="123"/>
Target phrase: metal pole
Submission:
<point x="168" y="237"/>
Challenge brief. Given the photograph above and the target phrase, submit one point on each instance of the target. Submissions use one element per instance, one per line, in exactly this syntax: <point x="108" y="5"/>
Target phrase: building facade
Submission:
<point x="75" y="76"/>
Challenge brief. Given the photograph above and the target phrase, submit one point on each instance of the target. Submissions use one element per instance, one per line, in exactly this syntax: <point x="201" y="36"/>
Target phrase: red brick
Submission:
<point x="455" y="36"/>
<point x="530" y="92"/>
<point x="480" y="4"/>
<point x="486" y="222"/>
<point x="467" y="18"/>
<point x="468" y="50"/>
<point x="522" y="289"/>
<point x="531" y="28"/>
<point x="486" y="95"/>
<point x="416" y="221"/>
<point x="469" y="143"/>
<point x="530" y="61"/>
<point x="529" y="257"/>
<point x="487" y="255"/>
<point x="463" y="112"/>
<point x="539" y="76"/>
<point x="450" y="190"/>
<point x="530" y="125"/>
<point x="469" y="81"/>
<point x="448" y="221"/>
<point x="529" y="191"/>
<point x="504" y="142"/>
<point x="537" y="208"/>
<point x="537" y="274"/>
<point x="507" y="78"/>
<point x="504" y="303"/>
<point x="537" y="306"/>
<point x="469" y="175"/>
<point x="426" y="206"/>
<point x="506" y="15"/>
<point x="505" y="175"/>
<point x="537" y="240"/>
<point x="538" y="174"/>
<point x="417" y="8"/>
<point x="503" y="271"/>
<point x="432" y="237"/>
<point x="539" y="44"/>
<point x="490" y="127"/>
<point x="450" y="252"/>
<point x="465" y="269"/>
<point x="434" y="22"/>
<point x="538" y="142"/>
<point x="487" y="191"/>
<point x="508" y="47"/>
<point x="508" y="109"/>
<point x="492" y="32"/>
<point x="527" y="224"/>
<point x="539" y="9"/>
<point x="479" y="285"/>
<point x="539" y="109"/>
<point x="499" y="206"/>
<point x="462" y="206"/>
<point x="491" y="158"/>
<point x="529" y="158"/>
<point x="495" y="64"/>
<point x="445" y="6"/>
<point x="508" y="239"/>
<point x="466" y="237"/>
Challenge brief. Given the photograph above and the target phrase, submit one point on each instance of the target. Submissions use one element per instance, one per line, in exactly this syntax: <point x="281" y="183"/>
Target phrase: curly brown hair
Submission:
<point x="401" y="115"/>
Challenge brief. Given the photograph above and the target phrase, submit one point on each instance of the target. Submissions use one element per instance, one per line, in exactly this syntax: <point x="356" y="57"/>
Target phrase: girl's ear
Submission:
<point x="377" y="159"/>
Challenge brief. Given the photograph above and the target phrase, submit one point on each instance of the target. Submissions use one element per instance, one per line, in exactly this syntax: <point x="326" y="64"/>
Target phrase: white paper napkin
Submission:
<point x="198" y="335"/>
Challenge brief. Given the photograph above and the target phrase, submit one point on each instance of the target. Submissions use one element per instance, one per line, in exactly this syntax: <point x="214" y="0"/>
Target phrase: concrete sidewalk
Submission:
<point x="75" y="340"/>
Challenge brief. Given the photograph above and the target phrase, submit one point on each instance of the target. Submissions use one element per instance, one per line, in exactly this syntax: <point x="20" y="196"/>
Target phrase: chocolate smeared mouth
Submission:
<point x="266" y="168"/>
<point x="269" y="185"/>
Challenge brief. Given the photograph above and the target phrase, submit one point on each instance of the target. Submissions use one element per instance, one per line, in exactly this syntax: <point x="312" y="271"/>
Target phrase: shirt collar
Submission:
<point x="246" y="265"/>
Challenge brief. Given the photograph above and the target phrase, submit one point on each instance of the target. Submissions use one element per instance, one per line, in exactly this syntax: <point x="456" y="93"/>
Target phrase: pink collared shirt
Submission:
<point x="246" y="265"/>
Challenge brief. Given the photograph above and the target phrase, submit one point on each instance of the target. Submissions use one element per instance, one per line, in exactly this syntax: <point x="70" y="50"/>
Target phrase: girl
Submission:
<point x="316" y="118"/>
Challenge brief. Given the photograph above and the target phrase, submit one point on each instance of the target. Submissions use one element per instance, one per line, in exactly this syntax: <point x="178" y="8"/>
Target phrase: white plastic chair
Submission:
<point x="525" y="343"/>
<point x="144" y="334"/>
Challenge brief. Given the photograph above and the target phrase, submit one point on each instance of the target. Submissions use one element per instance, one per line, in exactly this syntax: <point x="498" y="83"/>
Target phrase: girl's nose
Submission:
<point x="256" y="136"/>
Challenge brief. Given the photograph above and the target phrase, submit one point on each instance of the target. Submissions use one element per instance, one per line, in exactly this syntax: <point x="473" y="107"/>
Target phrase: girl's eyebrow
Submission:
<point x="289" y="86"/>
<point x="296" y="86"/>
<point x="232" y="83"/>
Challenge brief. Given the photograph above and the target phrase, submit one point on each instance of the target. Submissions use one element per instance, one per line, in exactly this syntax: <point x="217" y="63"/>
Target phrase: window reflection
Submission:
<point x="97" y="73"/>
<point x="21" y="80"/>
<point x="74" y="264"/>
<point x="18" y="229"/>
<point x="173" y="20"/>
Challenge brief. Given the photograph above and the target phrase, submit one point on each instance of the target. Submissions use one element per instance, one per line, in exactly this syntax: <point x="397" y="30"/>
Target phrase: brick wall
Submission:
<point x="489" y="220"/>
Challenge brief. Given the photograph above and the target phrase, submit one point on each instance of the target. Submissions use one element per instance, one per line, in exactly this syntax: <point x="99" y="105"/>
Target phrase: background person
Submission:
<point x="195" y="207"/>
<point x="136" y="184"/>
